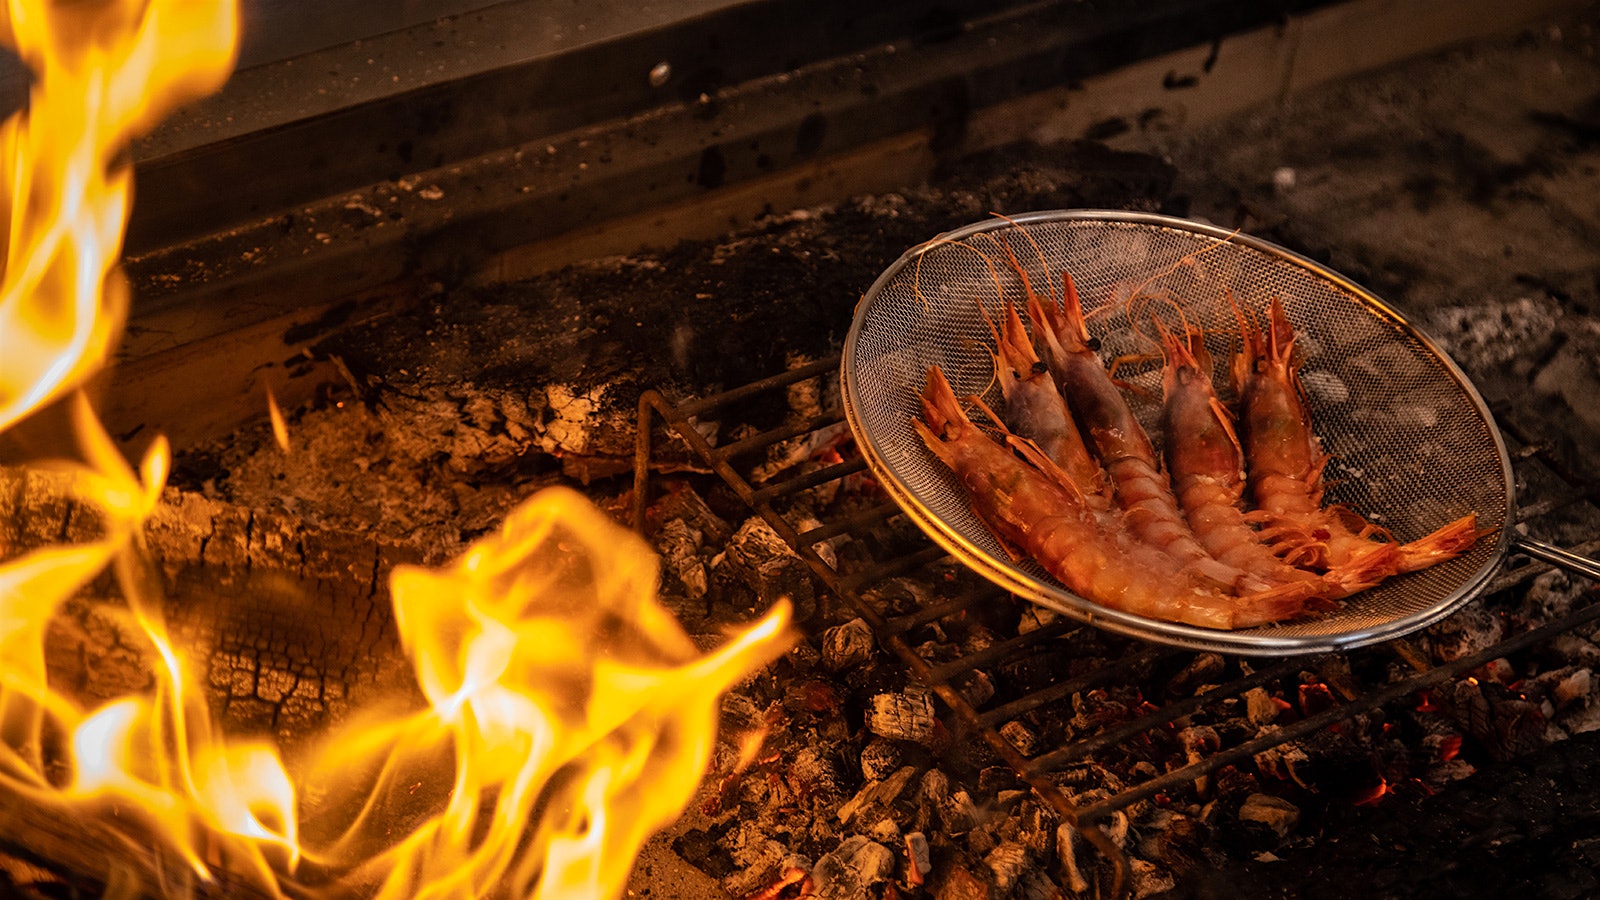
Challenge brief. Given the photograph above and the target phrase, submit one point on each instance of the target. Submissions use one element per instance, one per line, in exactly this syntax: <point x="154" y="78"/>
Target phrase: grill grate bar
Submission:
<point x="900" y="566"/>
<point x="1177" y="709"/>
<point x="871" y="569"/>
<point x="777" y="435"/>
<point x="1364" y="703"/>
<point x="1002" y="649"/>
<point x="901" y="624"/>
<point x="850" y="524"/>
<point x="808" y="481"/>
<point x="1063" y="689"/>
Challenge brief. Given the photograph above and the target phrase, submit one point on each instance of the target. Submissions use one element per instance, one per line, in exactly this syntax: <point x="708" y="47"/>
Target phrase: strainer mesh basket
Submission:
<point x="1413" y="446"/>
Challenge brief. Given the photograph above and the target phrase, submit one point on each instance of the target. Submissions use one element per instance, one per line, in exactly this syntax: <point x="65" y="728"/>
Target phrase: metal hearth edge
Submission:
<point x="1352" y="699"/>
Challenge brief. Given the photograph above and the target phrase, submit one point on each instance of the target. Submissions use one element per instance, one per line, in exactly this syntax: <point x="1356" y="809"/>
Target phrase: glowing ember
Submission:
<point x="568" y="716"/>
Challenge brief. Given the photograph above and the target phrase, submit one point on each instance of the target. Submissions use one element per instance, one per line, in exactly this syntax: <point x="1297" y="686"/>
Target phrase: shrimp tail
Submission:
<point x="1277" y="603"/>
<point x="939" y="405"/>
<point x="1448" y="542"/>
<point x="1365" y="570"/>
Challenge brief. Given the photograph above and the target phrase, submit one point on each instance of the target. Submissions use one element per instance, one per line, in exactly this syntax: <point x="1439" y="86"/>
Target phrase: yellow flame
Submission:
<point x="568" y="716"/>
<point x="102" y="73"/>
<point x="280" y="428"/>
<point x="579" y="714"/>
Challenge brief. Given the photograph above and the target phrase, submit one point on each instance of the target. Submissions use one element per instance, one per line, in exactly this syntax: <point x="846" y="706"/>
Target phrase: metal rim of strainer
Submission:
<point x="882" y="444"/>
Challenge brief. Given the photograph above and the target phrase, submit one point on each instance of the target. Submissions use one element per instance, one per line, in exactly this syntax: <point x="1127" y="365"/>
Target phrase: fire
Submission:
<point x="567" y="715"/>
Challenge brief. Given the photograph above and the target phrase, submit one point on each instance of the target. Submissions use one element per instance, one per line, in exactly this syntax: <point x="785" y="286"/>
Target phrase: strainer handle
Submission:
<point x="1555" y="556"/>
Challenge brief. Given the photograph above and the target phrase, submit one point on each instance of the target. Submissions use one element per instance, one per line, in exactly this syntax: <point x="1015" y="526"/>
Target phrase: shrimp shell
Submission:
<point x="1285" y="462"/>
<point x="1038" y="512"/>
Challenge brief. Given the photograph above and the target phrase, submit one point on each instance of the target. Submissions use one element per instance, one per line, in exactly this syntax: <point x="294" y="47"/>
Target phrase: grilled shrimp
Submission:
<point x="1206" y="464"/>
<point x="1285" y="460"/>
<point x="1037" y="511"/>
<point x="1034" y="409"/>
<point x="1124" y="449"/>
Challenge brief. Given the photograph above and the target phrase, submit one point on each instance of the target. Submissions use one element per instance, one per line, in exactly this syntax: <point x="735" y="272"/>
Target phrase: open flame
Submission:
<point x="568" y="716"/>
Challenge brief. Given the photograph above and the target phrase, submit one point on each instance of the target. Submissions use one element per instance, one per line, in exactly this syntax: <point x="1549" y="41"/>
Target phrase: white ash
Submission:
<point x="1325" y="388"/>
<point x="680" y="548"/>
<point x="877" y="796"/>
<point x="1491" y="333"/>
<point x="1021" y="737"/>
<point x="848" y="645"/>
<point x="879" y="758"/>
<point x="1275" y="814"/>
<point x="919" y="861"/>
<point x="856" y="865"/>
<point x="1260" y="707"/>
<point x="1148" y="879"/>
<point x="1006" y="863"/>
<point x="902" y="715"/>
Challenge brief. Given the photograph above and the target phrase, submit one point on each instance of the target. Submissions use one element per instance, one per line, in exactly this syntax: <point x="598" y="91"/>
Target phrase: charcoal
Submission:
<point x="1465" y="633"/>
<point x="687" y="506"/>
<point x="1204" y="669"/>
<point x="767" y="565"/>
<point x="1274" y="814"/>
<point x="1576" y="649"/>
<point x="1021" y="737"/>
<point x="759" y="859"/>
<point x="851" y="869"/>
<point x="877" y="796"/>
<point x="1146" y="879"/>
<point x="885" y="831"/>
<point x="795" y="870"/>
<point x="679" y="546"/>
<point x="848" y="645"/>
<point x="898" y="596"/>
<point x="1573" y="687"/>
<point x="1172" y="839"/>
<point x="1035" y="618"/>
<point x="994" y="779"/>
<point x="903" y="715"/>
<point x="1260" y="707"/>
<point x="879" y="758"/>
<point x="938" y="805"/>
<point x="1033" y="825"/>
<point x="976" y="687"/>
<point x="1284" y="762"/>
<point x="1036" y="885"/>
<point x="814" y="773"/>
<point x="919" y="862"/>
<point x="1006" y="863"/>
<point x="1198" y="742"/>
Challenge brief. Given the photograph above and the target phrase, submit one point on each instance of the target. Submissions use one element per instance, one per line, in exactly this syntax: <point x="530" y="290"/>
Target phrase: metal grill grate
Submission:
<point x="1560" y="489"/>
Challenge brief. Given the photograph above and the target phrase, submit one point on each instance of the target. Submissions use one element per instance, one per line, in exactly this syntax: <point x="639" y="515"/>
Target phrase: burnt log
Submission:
<point x="287" y="629"/>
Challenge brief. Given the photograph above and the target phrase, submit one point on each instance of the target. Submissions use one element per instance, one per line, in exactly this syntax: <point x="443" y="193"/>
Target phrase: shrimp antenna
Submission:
<point x="1137" y="305"/>
<point x="1038" y="252"/>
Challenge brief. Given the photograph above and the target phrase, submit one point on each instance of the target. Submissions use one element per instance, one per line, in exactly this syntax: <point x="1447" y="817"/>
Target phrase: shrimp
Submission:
<point x="1034" y="409"/>
<point x="1206" y="464"/>
<point x="1286" y="461"/>
<point x="1035" y="510"/>
<point x="1141" y="487"/>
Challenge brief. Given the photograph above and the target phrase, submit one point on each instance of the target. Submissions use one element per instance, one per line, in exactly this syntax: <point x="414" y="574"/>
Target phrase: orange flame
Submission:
<point x="571" y="713"/>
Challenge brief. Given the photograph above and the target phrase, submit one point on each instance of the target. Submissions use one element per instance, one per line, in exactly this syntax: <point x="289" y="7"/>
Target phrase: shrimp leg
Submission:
<point x="1286" y="461"/>
<point x="1206" y="464"/>
<point x="1125" y="450"/>
<point x="1040" y="513"/>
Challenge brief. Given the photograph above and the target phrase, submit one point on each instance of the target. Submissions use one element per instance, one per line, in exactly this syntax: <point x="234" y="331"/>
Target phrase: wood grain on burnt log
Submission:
<point x="289" y="627"/>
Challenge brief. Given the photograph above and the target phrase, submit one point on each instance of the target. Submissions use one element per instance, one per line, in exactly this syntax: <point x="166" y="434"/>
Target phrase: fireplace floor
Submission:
<point x="1460" y="188"/>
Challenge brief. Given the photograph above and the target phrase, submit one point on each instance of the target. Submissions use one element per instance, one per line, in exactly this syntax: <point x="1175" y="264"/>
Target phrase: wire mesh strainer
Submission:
<point x="1413" y="445"/>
